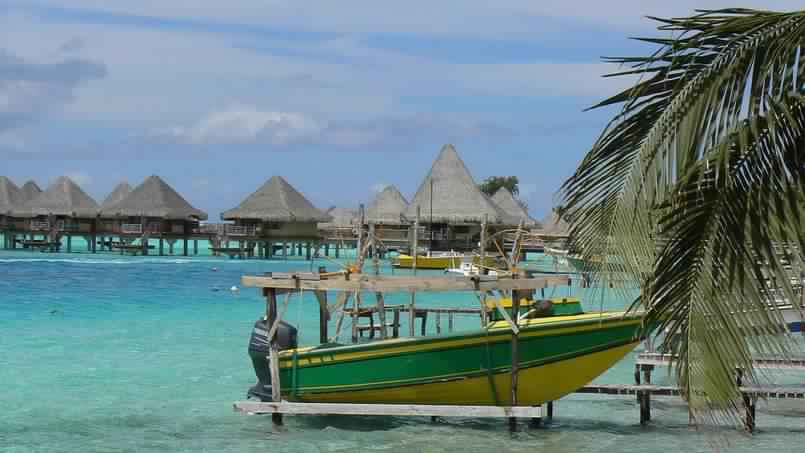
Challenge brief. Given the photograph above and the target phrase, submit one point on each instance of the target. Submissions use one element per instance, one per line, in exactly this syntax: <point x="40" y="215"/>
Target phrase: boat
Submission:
<point x="468" y="268"/>
<point x="560" y="348"/>
<point x="441" y="260"/>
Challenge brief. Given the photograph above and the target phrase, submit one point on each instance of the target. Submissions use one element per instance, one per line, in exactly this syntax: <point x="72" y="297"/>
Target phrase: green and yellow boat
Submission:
<point x="442" y="260"/>
<point x="560" y="349"/>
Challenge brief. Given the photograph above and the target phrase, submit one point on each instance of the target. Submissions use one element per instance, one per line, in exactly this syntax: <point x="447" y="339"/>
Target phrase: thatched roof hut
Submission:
<point x="156" y="199"/>
<point x="276" y="201"/>
<point x="63" y="197"/>
<point x="30" y="190"/>
<point x="506" y="201"/>
<point x="388" y="208"/>
<point x="456" y="197"/>
<point x="340" y="218"/>
<point x="554" y="225"/>
<point x="10" y="195"/>
<point x="120" y="192"/>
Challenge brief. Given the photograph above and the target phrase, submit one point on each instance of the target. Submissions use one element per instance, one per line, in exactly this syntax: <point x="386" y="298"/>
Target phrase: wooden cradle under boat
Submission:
<point x="521" y="360"/>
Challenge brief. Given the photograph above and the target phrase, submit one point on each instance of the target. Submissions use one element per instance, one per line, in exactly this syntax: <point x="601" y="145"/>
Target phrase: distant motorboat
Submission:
<point x="468" y="268"/>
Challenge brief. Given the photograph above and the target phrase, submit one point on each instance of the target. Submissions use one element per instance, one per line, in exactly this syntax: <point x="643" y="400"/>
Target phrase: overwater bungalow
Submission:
<point x="506" y="201"/>
<point x="30" y="190"/>
<point x="385" y="216"/>
<point x="342" y="224"/>
<point x="151" y="210"/>
<point x="10" y="197"/>
<point x="62" y="210"/>
<point x="117" y="195"/>
<point x="277" y="212"/>
<point x="555" y="231"/>
<point x="451" y="205"/>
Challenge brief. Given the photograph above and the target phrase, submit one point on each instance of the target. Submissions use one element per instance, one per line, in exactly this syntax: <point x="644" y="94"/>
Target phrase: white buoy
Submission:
<point x="234" y="289"/>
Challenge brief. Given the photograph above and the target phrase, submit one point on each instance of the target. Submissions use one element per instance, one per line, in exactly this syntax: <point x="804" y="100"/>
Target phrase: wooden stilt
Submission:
<point x="271" y="317"/>
<point x="412" y="303"/>
<point x="324" y="315"/>
<point x="195" y="247"/>
<point x="515" y="315"/>
<point x="161" y="247"/>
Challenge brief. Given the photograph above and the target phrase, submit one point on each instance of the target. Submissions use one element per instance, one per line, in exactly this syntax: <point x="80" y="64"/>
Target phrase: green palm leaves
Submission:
<point x="697" y="186"/>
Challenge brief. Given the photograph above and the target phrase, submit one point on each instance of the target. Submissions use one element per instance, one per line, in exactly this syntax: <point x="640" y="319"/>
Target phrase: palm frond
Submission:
<point x="693" y="184"/>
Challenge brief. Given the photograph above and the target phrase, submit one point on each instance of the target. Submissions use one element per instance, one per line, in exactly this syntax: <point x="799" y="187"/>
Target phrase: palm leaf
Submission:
<point x="695" y="183"/>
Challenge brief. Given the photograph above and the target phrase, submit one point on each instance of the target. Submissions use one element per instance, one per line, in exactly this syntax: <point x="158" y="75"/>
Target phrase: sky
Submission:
<point x="341" y="98"/>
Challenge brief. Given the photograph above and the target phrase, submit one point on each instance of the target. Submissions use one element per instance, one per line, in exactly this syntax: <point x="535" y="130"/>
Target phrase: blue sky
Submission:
<point x="339" y="97"/>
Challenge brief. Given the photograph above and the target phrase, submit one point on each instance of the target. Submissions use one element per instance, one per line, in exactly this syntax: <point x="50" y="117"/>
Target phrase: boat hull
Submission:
<point x="438" y="262"/>
<point x="556" y="356"/>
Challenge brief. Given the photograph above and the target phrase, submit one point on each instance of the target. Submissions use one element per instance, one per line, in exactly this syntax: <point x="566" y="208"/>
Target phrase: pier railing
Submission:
<point x="226" y="229"/>
<point x="131" y="228"/>
<point x="37" y="225"/>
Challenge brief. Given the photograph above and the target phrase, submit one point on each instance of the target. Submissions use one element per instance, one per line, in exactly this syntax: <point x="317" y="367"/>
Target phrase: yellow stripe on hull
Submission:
<point x="536" y="385"/>
<point x="497" y="334"/>
<point x="438" y="262"/>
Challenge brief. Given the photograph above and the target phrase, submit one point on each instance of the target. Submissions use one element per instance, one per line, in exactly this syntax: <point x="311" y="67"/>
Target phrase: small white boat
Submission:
<point x="467" y="269"/>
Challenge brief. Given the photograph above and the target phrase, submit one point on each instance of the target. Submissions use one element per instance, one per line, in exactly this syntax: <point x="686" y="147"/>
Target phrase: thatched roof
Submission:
<point x="341" y="218"/>
<point x="388" y="208"/>
<point x="456" y="197"/>
<point x="505" y="200"/>
<point x="63" y="197"/>
<point x="276" y="201"/>
<point x="29" y="191"/>
<point x="553" y="225"/>
<point x="120" y="192"/>
<point x="10" y="195"/>
<point x="154" y="198"/>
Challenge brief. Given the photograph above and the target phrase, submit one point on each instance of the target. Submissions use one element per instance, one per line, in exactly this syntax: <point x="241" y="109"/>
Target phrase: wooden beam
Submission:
<point x="386" y="283"/>
<point x="254" y="407"/>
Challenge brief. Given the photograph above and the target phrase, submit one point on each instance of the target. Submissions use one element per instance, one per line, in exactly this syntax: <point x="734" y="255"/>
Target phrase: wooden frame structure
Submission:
<point x="347" y="284"/>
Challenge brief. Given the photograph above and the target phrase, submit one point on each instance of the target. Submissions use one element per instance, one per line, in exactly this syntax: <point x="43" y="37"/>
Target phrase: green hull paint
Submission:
<point x="440" y="360"/>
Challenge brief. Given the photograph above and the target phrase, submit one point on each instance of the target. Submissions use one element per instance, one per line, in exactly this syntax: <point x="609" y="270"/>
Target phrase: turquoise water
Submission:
<point x="127" y="354"/>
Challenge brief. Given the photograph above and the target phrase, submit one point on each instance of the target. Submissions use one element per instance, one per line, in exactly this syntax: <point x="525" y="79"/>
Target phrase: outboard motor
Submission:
<point x="259" y="349"/>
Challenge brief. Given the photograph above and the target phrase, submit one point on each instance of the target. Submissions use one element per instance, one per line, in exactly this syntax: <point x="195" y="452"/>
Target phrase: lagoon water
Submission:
<point x="104" y="353"/>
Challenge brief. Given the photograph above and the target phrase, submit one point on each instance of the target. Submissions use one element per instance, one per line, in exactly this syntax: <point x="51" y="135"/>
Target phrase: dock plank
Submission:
<point x="427" y="410"/>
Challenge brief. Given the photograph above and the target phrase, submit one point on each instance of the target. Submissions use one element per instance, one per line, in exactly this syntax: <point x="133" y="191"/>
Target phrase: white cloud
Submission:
<point x="454" y="17"/>
<point x="243" y="125"/>
<point x="248" y="125"/>
<point x="29" y="89"/>
<point x="379" y="187"/>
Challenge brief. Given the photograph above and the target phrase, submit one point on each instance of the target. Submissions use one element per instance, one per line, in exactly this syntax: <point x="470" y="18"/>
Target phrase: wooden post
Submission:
<point x="324" y="315"/>
<point x="185" y="246"/>
<point x="161" y="247"/>
<point x="307" y="252"/>
<point x="482" y="270"/>
<point x="412" y="303"/>
<point x="515" y="353"/>
<point x="271" y="317"/>
<point x="645" y="396"/>
<point x="69" y="243"/>
<point x="356" y="307"/>
<point x="438" y="323"/>
<point x="748" y="401"/>
<point x="195" y="246"/>
<point x="450" y="322"/>
<point x="395" y="329"/>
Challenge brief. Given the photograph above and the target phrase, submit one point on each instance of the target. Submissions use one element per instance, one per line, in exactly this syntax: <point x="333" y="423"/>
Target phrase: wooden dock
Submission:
<point x="399" y="410"/>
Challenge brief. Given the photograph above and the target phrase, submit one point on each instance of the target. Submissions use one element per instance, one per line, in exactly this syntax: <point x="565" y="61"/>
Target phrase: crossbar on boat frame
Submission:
<point x="363" y="282"/>
<point x="412" y="410"/>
